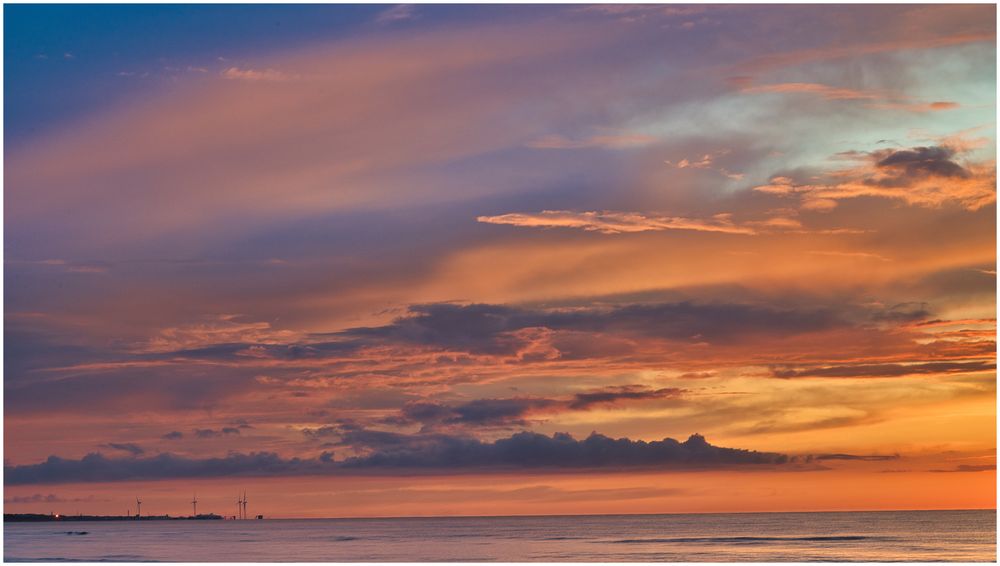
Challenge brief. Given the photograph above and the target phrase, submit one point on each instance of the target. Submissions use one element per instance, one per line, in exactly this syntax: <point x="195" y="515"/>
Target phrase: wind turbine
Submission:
<point x="244" y="504"/>
<point x="194" y="505"/>
<point x="239" y="506"/>
<point x="138" y="508"/>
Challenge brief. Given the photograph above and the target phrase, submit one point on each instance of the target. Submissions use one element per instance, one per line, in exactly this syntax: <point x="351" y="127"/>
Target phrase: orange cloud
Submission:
<point x="609" y="222"/>
<point x="220" y="329"/>
<point x="921" y="176"/>
<point x="706" y="161"/>
<point x="916" y="106"/>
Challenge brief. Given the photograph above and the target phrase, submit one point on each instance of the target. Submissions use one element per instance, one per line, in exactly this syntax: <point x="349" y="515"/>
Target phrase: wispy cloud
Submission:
<point x="858" y="255"/>
<point x="69" y="266"/>
<point x="824" y="91"/>
<point x="397" y="13"/>
<point x="609" y="222"/>
<point x="858" y="457"/>
<point x="832" y="52"/>
<point x="607" y="141"/>
<point x="878" y="99"/>
<point x="689" y="15"/>
<point x="962" y="468"/>
<point x="266" y="75"/>
<point x="918" y="107"/>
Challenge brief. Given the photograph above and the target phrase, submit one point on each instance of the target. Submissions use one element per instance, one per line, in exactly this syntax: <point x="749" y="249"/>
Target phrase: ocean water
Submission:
<point x="918" y="536"/>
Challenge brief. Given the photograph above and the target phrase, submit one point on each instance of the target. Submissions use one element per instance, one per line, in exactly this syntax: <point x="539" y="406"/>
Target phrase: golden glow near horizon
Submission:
<point x="388" y="273"/>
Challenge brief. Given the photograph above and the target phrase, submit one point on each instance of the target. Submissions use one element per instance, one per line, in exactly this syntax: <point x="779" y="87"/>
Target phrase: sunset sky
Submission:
<point x="389" y="260"/>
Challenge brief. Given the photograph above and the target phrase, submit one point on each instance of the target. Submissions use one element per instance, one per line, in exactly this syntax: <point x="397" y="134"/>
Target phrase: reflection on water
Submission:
<point x="916" y="536"/>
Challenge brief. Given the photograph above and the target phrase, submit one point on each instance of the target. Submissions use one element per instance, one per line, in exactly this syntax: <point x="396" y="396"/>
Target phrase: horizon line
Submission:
<point x="556" y="515"/>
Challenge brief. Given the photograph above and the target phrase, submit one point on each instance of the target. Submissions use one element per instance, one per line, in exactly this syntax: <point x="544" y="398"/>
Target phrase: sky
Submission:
<point x="398" y="260"/>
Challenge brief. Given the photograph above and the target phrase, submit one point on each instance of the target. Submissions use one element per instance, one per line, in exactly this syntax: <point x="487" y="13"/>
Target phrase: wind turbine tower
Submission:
<point x="244" y="504"/>
<point x="194" y="505"/>
<point x="239" y="506"/>
<point x="138" y="508"/>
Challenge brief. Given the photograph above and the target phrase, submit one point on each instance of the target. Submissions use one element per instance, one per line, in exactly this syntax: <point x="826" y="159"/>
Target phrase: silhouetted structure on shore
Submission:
<point x="241" y="507"/>
<point x="42" y="518"/>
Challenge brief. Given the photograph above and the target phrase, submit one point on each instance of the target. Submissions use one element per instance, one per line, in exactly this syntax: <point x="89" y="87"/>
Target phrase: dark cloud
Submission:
<point x="568" y="332"/>
<point x="484" y="411"/>
<point x="363" y="438"/>
<point x="902" y="312"/>
<point x="174" y="435"/>
<point x="474" y="327"/>
<point x="32" y="345"/>
<point x="36" y="498"/>
<point x="883" y="370"/>
<point x="697" y="375"/>
<point x="969" y="468"/>
<point x="348" y="433"/>
<point x="490" y="329"/>
<point x="212" y="433"/>
<point x="50" y="498"/>
<point x="95" y="467"/>
<point x="504" y="412"/>
<point x="322" y="432"/>
<point x="133" y="449"/>
<point x="514" y="411"/>
<point x="562" y="451"/>
<point x="918" y="162"/>
<point x="612" y="395"/>
<point x="425" y="412"/>
<point x="110" y="379"/>
<point x="398" y="452"/>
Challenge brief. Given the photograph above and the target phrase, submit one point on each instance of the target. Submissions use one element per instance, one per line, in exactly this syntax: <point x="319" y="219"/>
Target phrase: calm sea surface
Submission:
<point x="876" y="536"/>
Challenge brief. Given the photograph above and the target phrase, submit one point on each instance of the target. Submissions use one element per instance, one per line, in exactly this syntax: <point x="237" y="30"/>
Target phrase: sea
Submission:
<point x="884" y="536"/>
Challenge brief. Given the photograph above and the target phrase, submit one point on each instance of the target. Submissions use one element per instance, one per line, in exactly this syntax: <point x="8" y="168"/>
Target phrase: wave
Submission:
<point x="746" y="539"/>
<point x="107" y="558"/>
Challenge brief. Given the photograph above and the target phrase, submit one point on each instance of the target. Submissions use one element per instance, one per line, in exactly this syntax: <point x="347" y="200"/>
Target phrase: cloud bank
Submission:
<point x="441" y="453"/>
